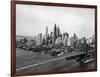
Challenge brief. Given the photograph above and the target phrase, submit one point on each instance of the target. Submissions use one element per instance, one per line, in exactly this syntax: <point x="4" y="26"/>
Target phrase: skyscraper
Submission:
<point x="46" y="32"/>
<point x="54" y="34"/>
<point x="39" y="39"/>
<point x="57" y="31"/>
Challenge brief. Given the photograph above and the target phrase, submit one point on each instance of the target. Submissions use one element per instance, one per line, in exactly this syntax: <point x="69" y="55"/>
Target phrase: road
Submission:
<point x="40" y="62"/>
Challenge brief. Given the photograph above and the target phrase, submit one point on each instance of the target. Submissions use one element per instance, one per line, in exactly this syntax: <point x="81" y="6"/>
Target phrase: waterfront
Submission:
<point x="29" y="61"/>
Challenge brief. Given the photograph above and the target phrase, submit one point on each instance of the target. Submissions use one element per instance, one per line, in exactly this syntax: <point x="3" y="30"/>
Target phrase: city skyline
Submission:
<point x="71" y="20"/>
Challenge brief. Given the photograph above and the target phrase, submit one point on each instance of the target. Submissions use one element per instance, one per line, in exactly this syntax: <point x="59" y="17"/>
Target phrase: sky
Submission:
<point x="33" y="19"/>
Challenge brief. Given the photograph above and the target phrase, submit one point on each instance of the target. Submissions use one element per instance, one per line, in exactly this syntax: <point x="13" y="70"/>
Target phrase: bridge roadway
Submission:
<point x="53" y="63"/>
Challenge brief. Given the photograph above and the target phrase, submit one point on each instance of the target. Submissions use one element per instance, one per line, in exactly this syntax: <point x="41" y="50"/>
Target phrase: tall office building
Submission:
<point x="39" y="39"/>
<point x="46" y="32"/>
<point x="54" y="34"/>
<point x="51" y="37"/>
<point x="57" y="31"/>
